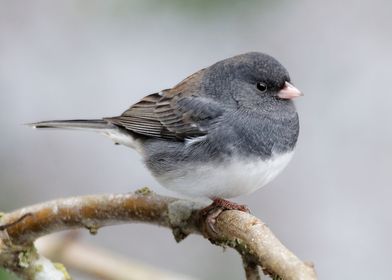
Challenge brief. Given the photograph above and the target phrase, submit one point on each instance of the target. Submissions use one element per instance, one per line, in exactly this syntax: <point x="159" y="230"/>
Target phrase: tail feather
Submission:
<point x="117" y="134"/>
<point x="94" y="125"/>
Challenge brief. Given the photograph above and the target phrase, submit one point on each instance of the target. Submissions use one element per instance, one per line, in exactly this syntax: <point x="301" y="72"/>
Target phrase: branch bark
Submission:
<point x="241" y="231"/>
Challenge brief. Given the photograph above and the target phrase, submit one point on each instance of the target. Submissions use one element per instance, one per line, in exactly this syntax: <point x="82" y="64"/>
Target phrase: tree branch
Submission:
<point x="239" y="230"/>
<point x="98" y="262"/>
<point x="251" y="268"/>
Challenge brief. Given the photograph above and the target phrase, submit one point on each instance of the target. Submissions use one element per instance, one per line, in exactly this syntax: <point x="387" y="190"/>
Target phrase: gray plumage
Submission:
<point x="212" y="117"/>
<point x="94" y="125"/>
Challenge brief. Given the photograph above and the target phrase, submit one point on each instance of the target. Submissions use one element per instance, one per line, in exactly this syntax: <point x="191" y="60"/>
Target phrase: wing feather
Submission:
<point x="177" y="113"/>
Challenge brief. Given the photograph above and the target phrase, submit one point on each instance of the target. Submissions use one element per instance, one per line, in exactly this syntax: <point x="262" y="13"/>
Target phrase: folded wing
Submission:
<point x="176" y="114"/>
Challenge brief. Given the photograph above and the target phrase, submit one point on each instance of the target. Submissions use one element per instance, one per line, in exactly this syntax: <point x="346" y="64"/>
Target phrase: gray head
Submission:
<point x="249" y="80"/>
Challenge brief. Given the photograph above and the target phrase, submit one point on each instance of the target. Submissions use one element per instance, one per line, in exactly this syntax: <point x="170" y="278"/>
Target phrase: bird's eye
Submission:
<point x="261" y="87"/>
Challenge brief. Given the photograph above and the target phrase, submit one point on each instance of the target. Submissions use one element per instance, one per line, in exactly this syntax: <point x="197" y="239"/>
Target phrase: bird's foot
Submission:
<point x="211" y="212"/>
<point x="229" y="205"/>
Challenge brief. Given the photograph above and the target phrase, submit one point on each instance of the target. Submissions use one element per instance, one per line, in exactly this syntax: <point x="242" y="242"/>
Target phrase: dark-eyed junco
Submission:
<point x="224" y="131"/>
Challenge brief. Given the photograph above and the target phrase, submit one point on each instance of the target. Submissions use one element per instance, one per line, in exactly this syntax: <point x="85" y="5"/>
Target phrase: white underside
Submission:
<point x="122" y="138"/>
<point x="235" y="177"/>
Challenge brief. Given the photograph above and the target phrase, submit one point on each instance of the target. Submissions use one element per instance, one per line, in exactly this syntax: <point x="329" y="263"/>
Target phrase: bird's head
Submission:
<point x="249" y="79"/>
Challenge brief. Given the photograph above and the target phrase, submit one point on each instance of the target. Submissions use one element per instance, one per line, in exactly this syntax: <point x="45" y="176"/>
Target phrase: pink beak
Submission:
<point x="289" y="91"/>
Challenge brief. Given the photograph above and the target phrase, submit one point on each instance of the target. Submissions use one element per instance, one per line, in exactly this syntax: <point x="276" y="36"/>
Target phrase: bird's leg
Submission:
<point x="229" y="205"/>
<point x="212" y="211"/>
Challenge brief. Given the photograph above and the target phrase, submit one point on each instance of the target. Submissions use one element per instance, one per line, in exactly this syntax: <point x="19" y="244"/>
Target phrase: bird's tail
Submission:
<point x="92" y="125"/>
<point x="117" y="134"/>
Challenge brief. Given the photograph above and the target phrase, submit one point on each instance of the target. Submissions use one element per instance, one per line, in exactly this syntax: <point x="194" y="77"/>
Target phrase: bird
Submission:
<point x="224" y="131"/>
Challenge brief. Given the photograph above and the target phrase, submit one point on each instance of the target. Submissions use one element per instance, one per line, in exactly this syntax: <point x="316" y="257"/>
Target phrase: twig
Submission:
<point x="251" y="268"/>
<point x="98" y="262"/>
<point x="5" y="226"/>
<point x="235" y="229"/>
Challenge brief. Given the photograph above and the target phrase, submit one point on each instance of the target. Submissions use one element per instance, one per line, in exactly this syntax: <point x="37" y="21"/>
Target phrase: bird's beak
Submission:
<point x="289" y="92"/>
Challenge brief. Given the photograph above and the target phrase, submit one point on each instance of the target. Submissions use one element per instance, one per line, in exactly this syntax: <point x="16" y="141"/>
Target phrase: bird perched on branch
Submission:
<point x="224" y="131"/>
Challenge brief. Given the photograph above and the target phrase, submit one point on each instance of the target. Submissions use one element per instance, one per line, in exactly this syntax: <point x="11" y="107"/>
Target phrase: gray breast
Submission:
<point x="257" y="134"/>
<point x="243" y="135"/>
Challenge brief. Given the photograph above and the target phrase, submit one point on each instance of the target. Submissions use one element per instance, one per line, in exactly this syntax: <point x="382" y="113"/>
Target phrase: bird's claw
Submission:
<point x="211" y="212"/>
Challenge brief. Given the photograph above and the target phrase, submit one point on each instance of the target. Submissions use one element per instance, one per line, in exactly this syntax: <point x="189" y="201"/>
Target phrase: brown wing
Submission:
<point x="176" y="113"/>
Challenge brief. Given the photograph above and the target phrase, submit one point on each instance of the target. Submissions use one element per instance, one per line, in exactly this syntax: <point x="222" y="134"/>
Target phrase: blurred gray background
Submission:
<point x="88" y="59"/>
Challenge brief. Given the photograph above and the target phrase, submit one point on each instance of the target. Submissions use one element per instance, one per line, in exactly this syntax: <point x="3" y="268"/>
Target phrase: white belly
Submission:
<point x="234" y="178"/>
